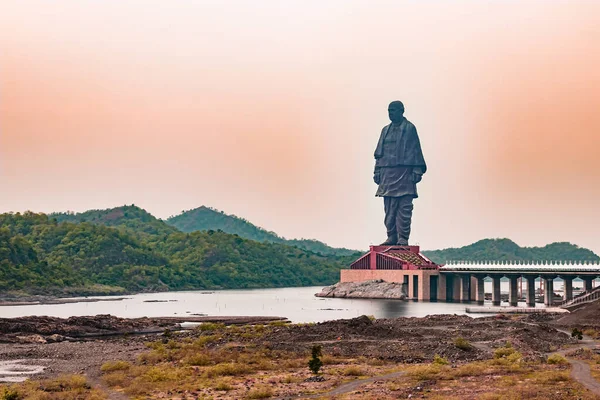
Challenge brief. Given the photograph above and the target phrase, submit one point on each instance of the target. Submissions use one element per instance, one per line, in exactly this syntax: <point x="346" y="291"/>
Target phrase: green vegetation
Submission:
<point x="507" y="250"/>
<point x="577" y="333"/>
<point x="437" y="360"/>
<point x="315" y="363"/>
<point x="462" y="343"/>
<point x="125" y="249"/>
<point x="557" y="359"/>
<point x="128" y="250"/>
<point x="206" y="218"/>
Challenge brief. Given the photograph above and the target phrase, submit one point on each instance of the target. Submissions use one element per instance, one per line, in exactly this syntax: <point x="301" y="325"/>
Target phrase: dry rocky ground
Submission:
<point x="444" y="356"/>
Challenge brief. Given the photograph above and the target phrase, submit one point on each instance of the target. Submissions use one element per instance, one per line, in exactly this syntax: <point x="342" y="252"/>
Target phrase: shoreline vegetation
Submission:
<point x="126" y="250"/>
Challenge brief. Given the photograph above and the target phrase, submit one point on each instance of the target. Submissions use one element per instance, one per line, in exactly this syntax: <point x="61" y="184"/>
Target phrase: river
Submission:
<point x="297" y="304"/>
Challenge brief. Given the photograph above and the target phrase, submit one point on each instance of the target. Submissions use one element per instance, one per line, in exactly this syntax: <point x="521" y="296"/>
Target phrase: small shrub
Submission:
<point x="462" y="343"/>
<point x="115" y="366"/>
<point x="315" y="363"/>
<point x="425" y="372"/>
<point x="224" y="385"/>
<point x="472" y="369"/>
<point x="437" y="360"/>
<point x="279" y="323"/>
<point x="557" y="359"/>
<point x="65" y="382"/>
<point x="227" y="369"/>
<point x="209" y="327"/>
<point x="594" y="334"/>
<point x="353" y="371"/>
<point x="199" y="359"/>
<point x="202" y="341"/>
<point x="260" y="392"/>
<point x="576" y="333"/>
<point x="163" y="374"/>
<point x="10" y="394"/>
<point x="507" y="355"/>
<point x="117" y="378"/>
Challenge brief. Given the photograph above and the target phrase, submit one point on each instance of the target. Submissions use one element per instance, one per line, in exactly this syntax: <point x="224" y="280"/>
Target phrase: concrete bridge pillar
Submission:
<point x="568" y="288"/>
<point x="456" y="286"/>
<point x="587" y="283"/>
<point x="531" y="291"/>
<point x="513" y="291"/>
<point x="465" y="290"/>
<point x="548" y="291"/>
<point x="496" y="290"/>
<point x="480" y="289"/>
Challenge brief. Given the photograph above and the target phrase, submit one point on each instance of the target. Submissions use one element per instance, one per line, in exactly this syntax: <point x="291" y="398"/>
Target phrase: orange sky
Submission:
<point x="271" y="110"/>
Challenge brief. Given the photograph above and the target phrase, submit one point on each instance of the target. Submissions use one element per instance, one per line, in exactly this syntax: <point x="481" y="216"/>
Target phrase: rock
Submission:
<point x="375" y="289"/>
<point x="55" y="338"/>
<point x="31" y="339"/>
<point x="316" y="378"/>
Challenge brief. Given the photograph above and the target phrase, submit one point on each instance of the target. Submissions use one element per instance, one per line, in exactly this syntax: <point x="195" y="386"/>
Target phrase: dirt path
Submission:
<point x="580" y="370"/>
<point x="97" y="383"/>
<point x="348" y="387"/>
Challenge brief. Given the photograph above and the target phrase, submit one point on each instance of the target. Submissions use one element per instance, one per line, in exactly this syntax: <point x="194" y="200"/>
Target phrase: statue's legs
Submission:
<point x="398" y="216"/>
<point x="390" y="205"/>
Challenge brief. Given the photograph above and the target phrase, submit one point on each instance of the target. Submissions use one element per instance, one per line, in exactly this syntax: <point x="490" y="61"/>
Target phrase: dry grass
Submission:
<point x="68" y="387"/>
<point x="353" y="371"/>
<point x="211" y="366"/>
<point x="260" y="392"/>
<point x="557" y="359"/>
<point x="115" y="366"/>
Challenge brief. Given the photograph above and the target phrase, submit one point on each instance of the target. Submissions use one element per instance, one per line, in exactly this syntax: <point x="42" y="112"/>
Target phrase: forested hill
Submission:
<point x="132" y="217"/>
<point x="41" y="255"/>
<point x="505" y="249"/>
<point x="205" y="218"/>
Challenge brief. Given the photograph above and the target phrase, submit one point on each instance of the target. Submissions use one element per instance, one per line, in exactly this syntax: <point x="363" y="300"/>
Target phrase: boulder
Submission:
<point x="374" y="289"/>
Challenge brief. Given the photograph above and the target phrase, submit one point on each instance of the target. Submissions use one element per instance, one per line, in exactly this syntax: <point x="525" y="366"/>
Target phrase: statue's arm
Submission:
<point x="418" y="171"/>
<point x="377" y="175"/>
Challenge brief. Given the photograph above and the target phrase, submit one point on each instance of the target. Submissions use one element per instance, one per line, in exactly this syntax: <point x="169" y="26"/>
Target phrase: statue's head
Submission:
<point x="396" y="111"/>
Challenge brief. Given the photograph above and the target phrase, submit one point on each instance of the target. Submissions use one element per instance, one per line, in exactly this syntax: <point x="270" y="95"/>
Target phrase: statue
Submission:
<point x="399" y="166"/>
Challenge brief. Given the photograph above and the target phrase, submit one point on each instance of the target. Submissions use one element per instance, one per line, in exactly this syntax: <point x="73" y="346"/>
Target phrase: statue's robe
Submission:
<point x="397" y="157"/>
<point x="398" y="161"/>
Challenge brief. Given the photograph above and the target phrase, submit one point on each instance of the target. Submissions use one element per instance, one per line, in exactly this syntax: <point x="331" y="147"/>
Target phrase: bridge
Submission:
<point x="464" y="281"/>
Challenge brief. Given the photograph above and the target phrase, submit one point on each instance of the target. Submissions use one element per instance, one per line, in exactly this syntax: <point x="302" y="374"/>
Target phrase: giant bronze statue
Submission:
<point x="399" y="166"/>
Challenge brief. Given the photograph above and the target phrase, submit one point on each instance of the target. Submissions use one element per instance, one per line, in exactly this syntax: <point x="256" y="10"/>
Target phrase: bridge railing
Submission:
<point x="586" y="297"/>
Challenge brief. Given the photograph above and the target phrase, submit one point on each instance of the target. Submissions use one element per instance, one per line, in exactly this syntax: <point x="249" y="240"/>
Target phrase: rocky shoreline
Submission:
<point x="375" y="289"/>
<point x="42" y="329"/>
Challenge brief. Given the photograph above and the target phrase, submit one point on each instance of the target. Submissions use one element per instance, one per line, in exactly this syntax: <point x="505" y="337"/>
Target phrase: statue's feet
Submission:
<point x="391" y="241"/>
<point x="402" y="242"/>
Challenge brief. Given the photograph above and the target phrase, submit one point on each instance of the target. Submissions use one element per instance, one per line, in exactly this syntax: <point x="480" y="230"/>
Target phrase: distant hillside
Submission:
<point x="131" y="217"/>
<point x="40" y="255"/>
<point x="205" y="219"/>
<point x="505" y="249"/>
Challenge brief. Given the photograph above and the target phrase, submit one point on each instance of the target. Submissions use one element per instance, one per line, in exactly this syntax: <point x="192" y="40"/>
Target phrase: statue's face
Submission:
<point x="395" y="112"/>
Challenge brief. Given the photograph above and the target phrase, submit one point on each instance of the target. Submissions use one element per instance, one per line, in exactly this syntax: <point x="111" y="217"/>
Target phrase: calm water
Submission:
<point x="296" y="304"/>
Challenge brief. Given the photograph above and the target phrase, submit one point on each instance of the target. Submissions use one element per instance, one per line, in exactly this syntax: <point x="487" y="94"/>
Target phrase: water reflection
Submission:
<point x="296" y="304"/>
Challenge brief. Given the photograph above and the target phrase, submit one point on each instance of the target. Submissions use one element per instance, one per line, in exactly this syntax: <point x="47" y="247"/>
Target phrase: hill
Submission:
<point x="40" y="255"/>
<point x="505" y="249"/>
<point x="132" y="217"/>
<point x="205" y="218"/>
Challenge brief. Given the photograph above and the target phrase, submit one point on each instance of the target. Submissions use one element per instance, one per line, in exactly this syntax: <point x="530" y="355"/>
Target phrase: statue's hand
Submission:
<point x="377" y="178"/>
<point x="416" y="177"/>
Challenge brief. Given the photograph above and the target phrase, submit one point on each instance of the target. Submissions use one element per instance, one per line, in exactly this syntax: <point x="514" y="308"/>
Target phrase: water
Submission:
<point x="296" y="304"/>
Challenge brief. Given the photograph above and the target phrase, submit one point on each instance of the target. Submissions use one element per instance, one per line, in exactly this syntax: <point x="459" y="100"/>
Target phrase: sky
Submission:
<point x="271" y="110"/>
